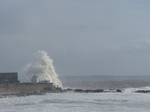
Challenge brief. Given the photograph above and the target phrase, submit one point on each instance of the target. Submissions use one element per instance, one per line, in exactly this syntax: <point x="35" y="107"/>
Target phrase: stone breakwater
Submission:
<point x="26" y="88"/>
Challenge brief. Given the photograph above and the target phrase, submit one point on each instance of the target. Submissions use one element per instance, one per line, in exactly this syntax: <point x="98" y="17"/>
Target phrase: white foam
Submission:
<point x="132" y="90"/>
<point x="73" y="102"/>
<point x="42" y="66"/>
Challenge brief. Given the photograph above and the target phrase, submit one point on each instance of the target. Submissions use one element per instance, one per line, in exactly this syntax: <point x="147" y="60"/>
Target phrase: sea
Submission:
<point x="127" y="101"/>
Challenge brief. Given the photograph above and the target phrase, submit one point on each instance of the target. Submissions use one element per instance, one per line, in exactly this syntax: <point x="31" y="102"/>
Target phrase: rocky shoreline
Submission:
<point x="92" y="91"/>
<point x="59" y="90"/>
<point x="142" y="91"/>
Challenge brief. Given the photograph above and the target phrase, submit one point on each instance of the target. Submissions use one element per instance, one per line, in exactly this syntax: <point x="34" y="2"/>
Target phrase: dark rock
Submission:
<point x="47" y="89"/>
<point x="79" y="90"/>
<point x="88" y="91"/>
<point x="68" y="89"/>
<point x="143" y="91"/>
<point x="119" y="91"/>
<point x="98" y="91"/>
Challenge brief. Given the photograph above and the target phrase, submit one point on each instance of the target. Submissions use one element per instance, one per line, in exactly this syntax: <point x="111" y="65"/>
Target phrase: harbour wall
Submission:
<point x="14" y="89"/>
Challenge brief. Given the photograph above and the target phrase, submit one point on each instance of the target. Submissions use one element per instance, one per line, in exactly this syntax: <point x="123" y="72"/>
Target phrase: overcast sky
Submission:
<point x="83" y="37"/>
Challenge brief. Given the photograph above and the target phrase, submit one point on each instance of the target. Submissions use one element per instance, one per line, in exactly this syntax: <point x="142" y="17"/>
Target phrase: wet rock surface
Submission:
<point x="59" y="90"/>
<point x="142" y="91"/>
<point x="92" y="91"/>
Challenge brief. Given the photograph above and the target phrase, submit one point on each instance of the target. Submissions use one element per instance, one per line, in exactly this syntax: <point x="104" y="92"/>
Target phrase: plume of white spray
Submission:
<point x="42" y="66"/>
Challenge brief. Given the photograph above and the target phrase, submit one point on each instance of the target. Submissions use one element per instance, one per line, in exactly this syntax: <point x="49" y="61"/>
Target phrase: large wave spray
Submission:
<point x="42" y="66"/>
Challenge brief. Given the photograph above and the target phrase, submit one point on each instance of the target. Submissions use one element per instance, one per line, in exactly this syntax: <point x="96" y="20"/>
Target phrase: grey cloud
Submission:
<point x="83" y="37"/>
<point x="142" y="45"/>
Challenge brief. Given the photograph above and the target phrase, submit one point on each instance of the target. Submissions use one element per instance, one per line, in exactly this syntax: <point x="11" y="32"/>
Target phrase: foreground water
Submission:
<point x="78" y="102"/>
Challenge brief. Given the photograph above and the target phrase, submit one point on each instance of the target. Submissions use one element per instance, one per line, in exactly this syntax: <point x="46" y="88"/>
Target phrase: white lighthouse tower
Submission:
<point x="35" y="79"/>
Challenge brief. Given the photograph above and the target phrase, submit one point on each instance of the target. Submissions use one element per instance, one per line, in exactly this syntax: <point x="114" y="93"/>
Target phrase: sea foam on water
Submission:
<point x="42" y="66"/>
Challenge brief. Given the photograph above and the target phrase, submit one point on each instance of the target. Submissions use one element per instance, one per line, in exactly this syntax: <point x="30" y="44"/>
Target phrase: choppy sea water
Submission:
<point x="78" y="102"/>
<point x="128" y="101"/>
<point x="105" y="82"/>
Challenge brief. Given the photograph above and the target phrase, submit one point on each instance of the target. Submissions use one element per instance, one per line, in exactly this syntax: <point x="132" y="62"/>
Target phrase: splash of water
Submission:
<point x="42" y="66"/>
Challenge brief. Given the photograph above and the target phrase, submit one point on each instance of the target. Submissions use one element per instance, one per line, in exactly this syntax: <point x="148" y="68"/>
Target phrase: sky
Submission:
<point x="83" y="37"/>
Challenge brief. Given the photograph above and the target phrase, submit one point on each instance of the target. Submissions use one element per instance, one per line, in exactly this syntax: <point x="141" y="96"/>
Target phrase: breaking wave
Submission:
<point x="42" y="66"/>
